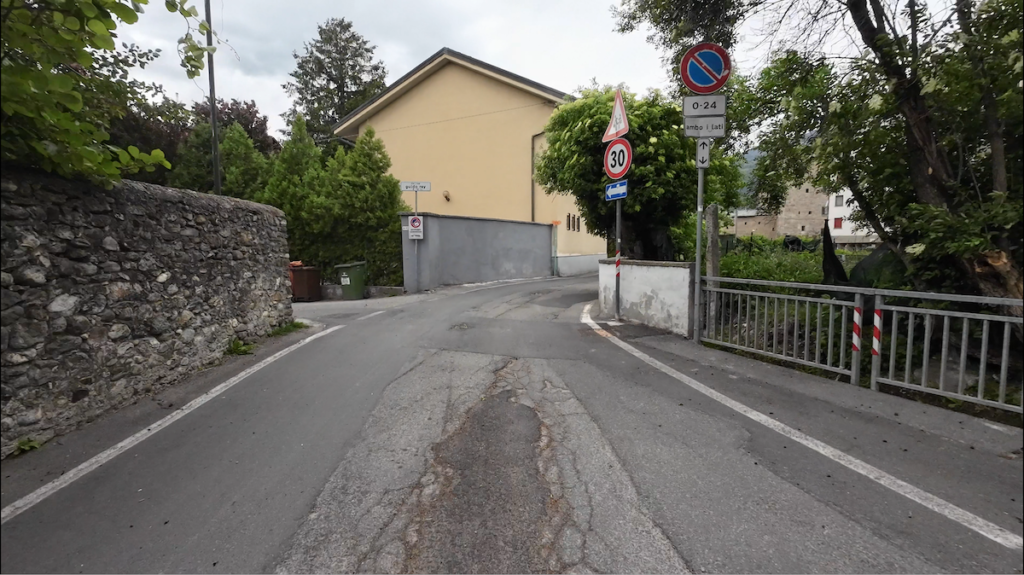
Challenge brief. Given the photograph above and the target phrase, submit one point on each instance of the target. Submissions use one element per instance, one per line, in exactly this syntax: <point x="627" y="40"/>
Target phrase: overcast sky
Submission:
<point x="560" y="43"/>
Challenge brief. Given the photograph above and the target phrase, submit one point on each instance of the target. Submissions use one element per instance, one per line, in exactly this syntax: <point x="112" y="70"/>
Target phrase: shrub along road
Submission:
<point x="485" y="428"/>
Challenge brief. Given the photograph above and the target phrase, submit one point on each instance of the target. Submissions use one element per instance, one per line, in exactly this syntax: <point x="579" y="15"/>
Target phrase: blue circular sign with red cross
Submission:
<point x="705" y="68"/>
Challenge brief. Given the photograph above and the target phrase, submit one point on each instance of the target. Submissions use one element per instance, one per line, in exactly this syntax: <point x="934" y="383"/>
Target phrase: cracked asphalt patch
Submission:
<point x="479" y="463"/>
<point x="485" y="518"/>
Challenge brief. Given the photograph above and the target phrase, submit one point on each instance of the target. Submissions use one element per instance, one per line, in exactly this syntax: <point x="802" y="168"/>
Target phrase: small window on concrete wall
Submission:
<point x="803" y="228"/>
<point x="838" y="223"/>
<point x="839" y="201"/>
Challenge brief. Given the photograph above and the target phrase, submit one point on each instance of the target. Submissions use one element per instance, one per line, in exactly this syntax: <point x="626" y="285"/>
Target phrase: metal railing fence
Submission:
<point x="915" y="343"/>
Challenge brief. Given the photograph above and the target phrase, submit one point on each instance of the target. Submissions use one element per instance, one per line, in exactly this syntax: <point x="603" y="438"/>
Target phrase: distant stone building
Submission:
<point x="803" y="215"/>
<point x="806" y="210"/>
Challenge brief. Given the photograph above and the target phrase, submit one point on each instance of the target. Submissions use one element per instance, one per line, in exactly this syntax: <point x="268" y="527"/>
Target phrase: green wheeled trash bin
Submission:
<point x="352" y="278"/>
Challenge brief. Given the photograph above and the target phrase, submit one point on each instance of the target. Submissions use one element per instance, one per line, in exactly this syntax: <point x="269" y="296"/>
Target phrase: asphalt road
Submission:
<point x="486" y="429"/>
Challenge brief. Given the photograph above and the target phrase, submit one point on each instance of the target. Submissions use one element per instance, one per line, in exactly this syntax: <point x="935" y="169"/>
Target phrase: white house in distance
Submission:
<point x="845" y="233"/>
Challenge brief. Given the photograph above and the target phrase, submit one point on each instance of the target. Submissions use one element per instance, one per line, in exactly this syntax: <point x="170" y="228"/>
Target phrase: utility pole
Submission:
<point x="213" y="103"/>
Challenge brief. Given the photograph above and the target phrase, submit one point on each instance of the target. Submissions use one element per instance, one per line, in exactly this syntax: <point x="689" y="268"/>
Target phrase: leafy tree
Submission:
<point x="296" y="175"/>
<point x="355" y="211"/>
<point x="335" y="74"/>
<point x="162" y="125"/>
<point x="679" y="24"/>
<point x="246" y="114"/>
<point x="941" y="96"/>
<point x="244" y="167"/>
<point x="62" y="85"/>
<point x="193" y="169"/>
<point x="662" y="181"/>
<point x="244" y="170"/>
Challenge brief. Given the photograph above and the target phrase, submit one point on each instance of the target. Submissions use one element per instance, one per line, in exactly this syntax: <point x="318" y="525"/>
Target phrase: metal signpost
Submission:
<point x="416" y="222"/>
<point x="618" y="157"/>
<point x="705" y="68"/>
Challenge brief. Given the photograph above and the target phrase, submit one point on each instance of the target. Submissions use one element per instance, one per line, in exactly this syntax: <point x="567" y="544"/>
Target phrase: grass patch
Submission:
<point x="238" y="347"/>
<point x="26" y="445"/>
<point x="288" y="328"/>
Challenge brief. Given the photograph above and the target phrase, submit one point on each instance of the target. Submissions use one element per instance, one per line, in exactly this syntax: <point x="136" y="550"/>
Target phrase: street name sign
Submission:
<point x="705" y="68"/>
<point x="705" y="127"/>
<point x="619" y="124"/>
<point x="415" y="228"/>
<point x="703" y="152"/>
<point x="617" y="158"/>
<point x="415" y="186"/>
<point x="616" y="191"/>
<point x="703" y="106"/>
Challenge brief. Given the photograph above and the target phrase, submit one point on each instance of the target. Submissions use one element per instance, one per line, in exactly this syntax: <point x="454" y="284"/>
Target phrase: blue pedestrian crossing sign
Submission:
<point x="615" y="191"/>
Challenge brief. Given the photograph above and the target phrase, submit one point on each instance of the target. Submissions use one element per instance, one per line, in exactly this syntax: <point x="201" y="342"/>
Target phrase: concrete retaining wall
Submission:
<point x="578" y="265"/>
<point x="657" y="294"/>
<point x="112" y="294"/>
<point x="460" y="250"/>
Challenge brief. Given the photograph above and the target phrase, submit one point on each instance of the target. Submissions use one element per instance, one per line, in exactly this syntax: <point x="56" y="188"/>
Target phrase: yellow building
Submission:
<point x="473" y="130"/>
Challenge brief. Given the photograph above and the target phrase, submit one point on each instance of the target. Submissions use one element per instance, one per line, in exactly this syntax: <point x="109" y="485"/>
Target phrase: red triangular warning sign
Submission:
<point x="618" y="125"/>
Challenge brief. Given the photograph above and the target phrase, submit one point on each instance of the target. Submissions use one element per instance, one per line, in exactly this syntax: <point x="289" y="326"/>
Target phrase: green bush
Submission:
<point x="344" y="210"/>
<point x="777" y="264"/>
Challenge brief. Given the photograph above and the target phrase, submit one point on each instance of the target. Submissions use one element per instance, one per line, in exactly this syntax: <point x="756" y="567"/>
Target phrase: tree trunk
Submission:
<point x="930" y="173"/>
<point x="994" y="273"/>
<point x="853" y="184"/>
<point x="993" y="125"/>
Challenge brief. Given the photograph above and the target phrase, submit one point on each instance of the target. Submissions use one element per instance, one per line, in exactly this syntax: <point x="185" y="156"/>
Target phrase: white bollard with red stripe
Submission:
<point x="858" y="302"/>
<point x="856" y="328"/>
<point x="876" y="341"/>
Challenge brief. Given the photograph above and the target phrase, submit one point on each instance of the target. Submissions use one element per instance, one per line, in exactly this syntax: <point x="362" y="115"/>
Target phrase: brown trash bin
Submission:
<point x="305" y="283"/>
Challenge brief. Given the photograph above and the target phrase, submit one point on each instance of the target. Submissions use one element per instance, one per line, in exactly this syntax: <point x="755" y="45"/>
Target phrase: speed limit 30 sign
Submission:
<point x="617" y="158"/>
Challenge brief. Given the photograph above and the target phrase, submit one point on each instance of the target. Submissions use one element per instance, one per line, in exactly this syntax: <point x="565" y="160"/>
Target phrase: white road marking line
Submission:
<point x="372" y="314"/>
<point x="965" y="518"/>
<point x="511" y="282"/>
<point x="63" y="481"/>
<point x="998" y="427"/>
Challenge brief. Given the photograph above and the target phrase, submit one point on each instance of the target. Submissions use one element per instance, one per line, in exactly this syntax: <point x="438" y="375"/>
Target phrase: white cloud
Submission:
<point x="561" y="44"/>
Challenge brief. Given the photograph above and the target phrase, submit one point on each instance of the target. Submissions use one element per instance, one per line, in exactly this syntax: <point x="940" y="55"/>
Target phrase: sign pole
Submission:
<point x="415" y="227"/>
<point x="416" y="244"/>
<point x="697" y="273"/>
<point x="618" y="157"/>
<point x="618" y="254"/>
<point x="705" y="69"/>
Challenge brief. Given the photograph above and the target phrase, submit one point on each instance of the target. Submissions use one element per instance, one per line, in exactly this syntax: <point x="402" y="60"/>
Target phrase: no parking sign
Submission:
<point x="705" y="68"/>
<point x="415" y="228"/>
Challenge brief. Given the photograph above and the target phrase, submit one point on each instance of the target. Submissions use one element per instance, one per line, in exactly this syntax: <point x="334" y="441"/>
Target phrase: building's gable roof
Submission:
<point x="349" y="125"/>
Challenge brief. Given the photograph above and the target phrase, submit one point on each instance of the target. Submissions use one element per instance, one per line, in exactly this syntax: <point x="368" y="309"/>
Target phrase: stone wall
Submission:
<point x="111" y="294"/>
